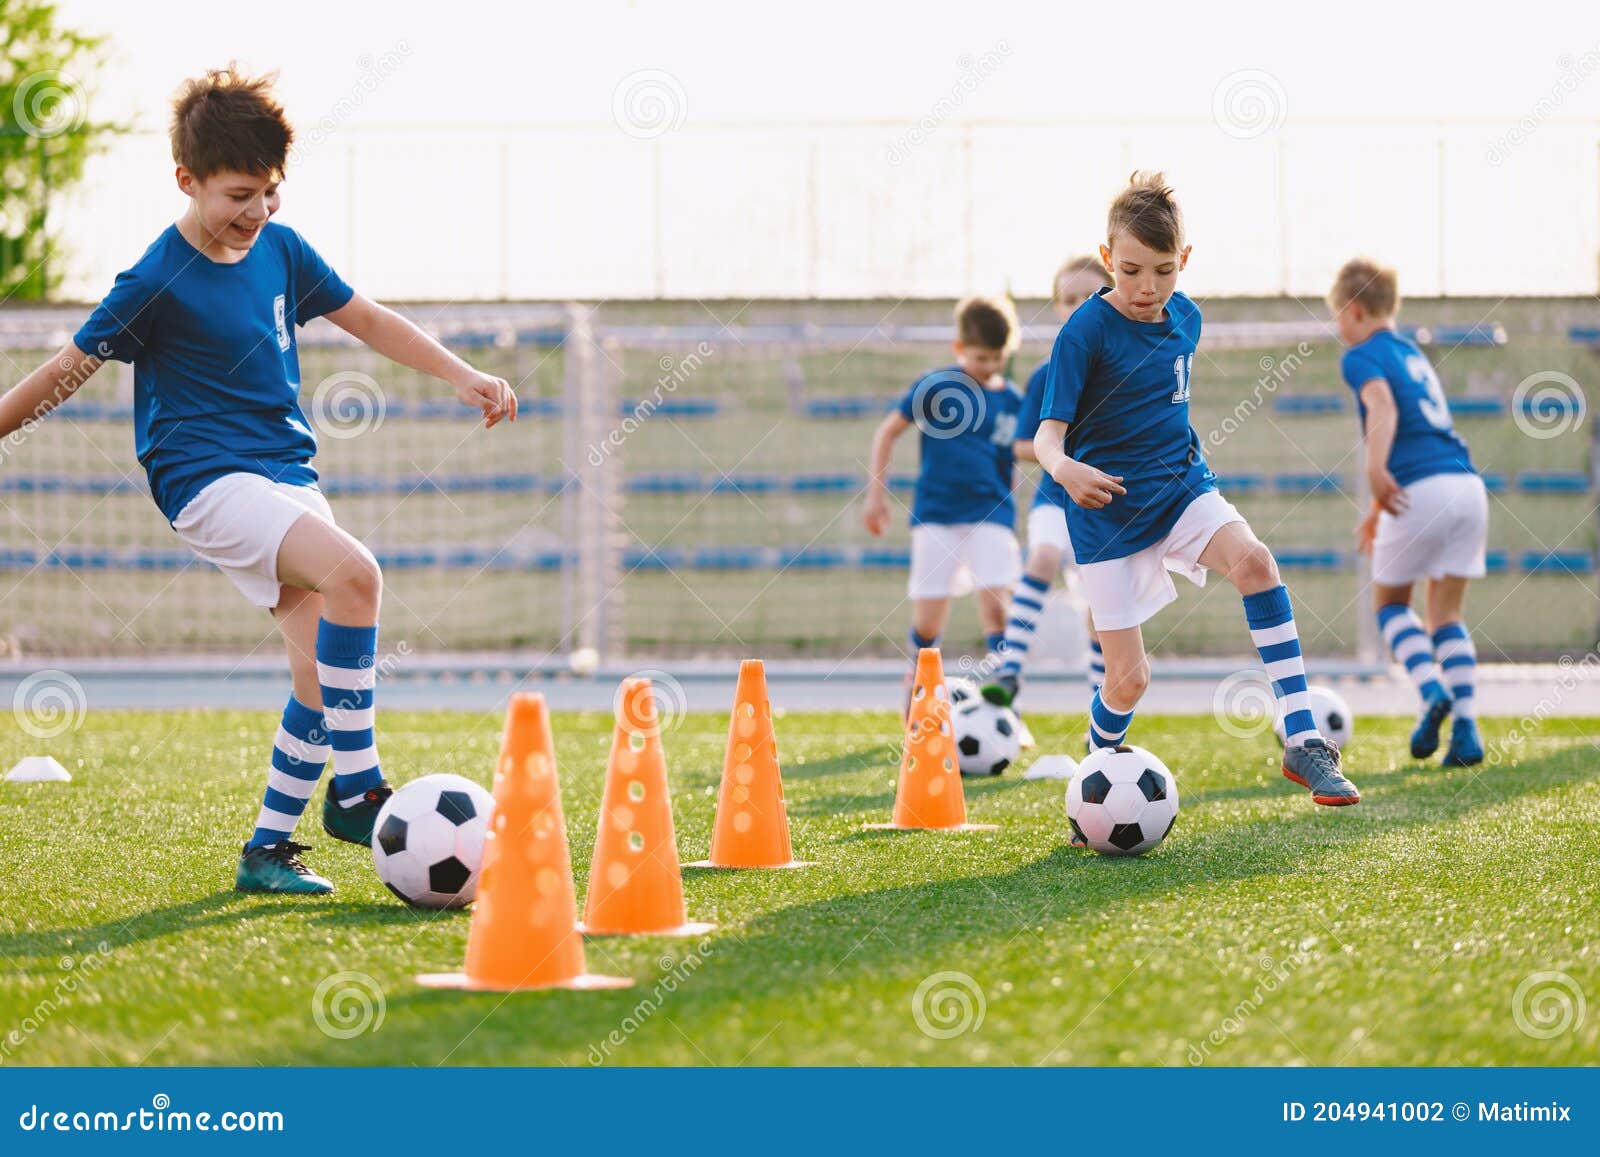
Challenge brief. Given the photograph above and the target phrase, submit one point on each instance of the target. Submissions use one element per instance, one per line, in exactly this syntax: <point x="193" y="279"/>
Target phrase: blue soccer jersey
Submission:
<point x="1122" y="387"/>
<point x="1050" y="492"/>
<point x="1425" y="439"/>
<point x="216" y="368"/>
<point x="967" y="448"/>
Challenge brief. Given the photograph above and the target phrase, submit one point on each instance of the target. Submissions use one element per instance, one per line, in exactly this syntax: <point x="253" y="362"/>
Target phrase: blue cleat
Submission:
<point x="1315" y="765"/>
<point x="1425" y="736"/>
<point x="1466" y="745"/>
<point x="353" y="824"/>
<point x="278" y="868"/>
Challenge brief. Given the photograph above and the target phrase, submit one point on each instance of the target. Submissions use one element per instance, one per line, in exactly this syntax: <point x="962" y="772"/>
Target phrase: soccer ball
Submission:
<point x="1123" y="801"/>
<point x="1330" y="711"/>
<point x="962" y="690"/>
<point x="427" y="843"/>
<point x="986" y="736"/>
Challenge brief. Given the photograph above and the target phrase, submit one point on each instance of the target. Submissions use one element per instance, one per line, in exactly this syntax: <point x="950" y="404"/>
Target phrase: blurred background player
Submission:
<point x="1115" y="433"/>
<point x="963" y="515"/>
<point x="1049" y="546"/>
<point x="1430" y="512"/>
<point x="207" y="316"/>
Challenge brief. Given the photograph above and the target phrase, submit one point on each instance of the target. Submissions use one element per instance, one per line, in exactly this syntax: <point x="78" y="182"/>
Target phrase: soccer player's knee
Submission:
<point x="1257" y="570"/>
<point x="1125" y="687"/>
<point x="361" y="578"/>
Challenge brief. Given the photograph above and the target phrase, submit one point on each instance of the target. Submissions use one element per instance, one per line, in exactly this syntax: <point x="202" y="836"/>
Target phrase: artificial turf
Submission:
<point x="1451" y="918"/>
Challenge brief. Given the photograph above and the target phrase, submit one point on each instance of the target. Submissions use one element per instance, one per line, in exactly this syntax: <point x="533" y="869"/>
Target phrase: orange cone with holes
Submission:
<point x="524" y="924"/>
<point x="635" y="884"/>
<point x="752" y="824"/>
<point x="930" y="796"/>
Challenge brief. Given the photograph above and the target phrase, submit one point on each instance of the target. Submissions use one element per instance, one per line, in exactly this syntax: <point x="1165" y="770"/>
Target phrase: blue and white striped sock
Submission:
<point x="1409" y="644"/>
<point x="345" y="669"/>
<point x="1107" y="728"/>
<point x="1458" y="659"/>
<point x="299" y="753"/>
<point x="1097" y="665"/>
<point x="1027" y="601"/>
<point x="1277" y="640"/>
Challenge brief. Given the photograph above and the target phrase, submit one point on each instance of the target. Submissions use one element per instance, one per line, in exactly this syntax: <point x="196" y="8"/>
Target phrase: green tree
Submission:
<point x="46" y="136"/>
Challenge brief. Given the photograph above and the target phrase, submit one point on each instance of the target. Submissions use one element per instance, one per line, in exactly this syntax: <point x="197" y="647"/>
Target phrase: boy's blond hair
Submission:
<point x="987" y="323"/>
<point x="1375" y="287"/>
<point x="1072" y="267"/>
<point x="1148" y="210"/>
<point x="228" y="121"/>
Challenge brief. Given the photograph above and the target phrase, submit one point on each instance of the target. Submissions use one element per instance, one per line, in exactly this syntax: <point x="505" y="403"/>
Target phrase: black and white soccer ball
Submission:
<point x="1123" y="801"/>
<point x="987" y="736"/>
<point x="1330" y="711"/>
<point x="427" y="843"/>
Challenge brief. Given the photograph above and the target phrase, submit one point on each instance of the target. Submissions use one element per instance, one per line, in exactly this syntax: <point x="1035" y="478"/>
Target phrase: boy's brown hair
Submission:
<point x="228" y="121"/>
<point x="1149" y="211"/>
<point x="1072" y="267"/>
<point x="1376" y="288"/>
<point x="987" y="323"/>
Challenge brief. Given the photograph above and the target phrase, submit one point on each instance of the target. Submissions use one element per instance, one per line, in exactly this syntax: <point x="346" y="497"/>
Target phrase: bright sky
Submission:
<point x="487" y="64"/>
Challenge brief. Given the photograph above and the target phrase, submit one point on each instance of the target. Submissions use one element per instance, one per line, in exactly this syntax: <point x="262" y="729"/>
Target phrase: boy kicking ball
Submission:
<point x="1049" y="545"/>
<point x="963" y="515"/>
<point x="1430" y="511"/>
<point x="207" y="316"/>
<point x="1115" y="433"/>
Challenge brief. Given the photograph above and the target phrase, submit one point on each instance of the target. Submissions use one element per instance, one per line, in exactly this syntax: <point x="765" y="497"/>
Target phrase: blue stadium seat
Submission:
<point x="677" y="483"/>
<point x="1497" y="561"/>
<point x="1568" y="561"/>
<point x="1584" y="335"/>
<point x="1242" y="483"/>
<point x="1494" y="481"/>
<point x="1482" y="335"/>
<point x="1309" y="404"/>
<point x="1553" y="482"/>
<point x="1477" y="407"/>
<point x="1307" y="484"/>
<point x="824" y="408"/>
<point x="672" y="407"/>
<point x="823" y="483"/>
<point x="1311" y="559"/>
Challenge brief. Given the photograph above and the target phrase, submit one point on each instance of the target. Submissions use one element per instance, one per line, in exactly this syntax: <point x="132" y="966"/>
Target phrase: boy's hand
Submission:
<point x="1088" y="487"/>
<point x="1386" y="492"/>
<point x="490" y="394"/>
<point x="1367" y="529"/>
<point x="876" y="515"/>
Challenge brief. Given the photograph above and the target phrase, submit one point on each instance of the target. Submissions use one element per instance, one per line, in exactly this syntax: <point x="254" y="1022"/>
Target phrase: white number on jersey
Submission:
<point x="1435" y="407"/>
<point x="1182" y="367"/>
<point x="1005" y="429"/>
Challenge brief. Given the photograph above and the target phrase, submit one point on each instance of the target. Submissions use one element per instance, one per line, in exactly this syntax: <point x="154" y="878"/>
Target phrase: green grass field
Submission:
<point x="1265" y="931"/>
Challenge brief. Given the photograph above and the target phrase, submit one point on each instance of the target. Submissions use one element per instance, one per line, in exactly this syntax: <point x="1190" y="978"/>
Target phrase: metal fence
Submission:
<point x="686" y="480"/>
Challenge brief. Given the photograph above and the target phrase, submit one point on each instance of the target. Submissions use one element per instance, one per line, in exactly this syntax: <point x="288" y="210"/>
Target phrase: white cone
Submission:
<point x="38" y="769"/>
<point x="1052" y="767"/>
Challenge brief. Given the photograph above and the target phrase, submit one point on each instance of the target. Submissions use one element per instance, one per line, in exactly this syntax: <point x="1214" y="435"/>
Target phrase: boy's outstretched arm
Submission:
<point x="876" y="514"/>
<point x="46" y="388"/>
<point x="400" y="340"/>
<point x="1088" y="487"/>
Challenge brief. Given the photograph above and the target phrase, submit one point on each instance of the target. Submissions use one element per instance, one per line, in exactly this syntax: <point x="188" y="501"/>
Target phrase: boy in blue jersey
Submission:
<point x="1430" y="511"/>
<point x="207" y="316"/>
<point x="963" y="516"/>
<point x="1049" y="545"/>
<point x="1115" y="433"/>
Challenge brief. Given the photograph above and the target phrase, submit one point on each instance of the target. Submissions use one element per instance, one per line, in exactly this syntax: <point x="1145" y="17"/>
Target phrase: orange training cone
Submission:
<point x="635" y="886"/>
<point x="523" y="932"/>
<point x="930" y="797"/>
<point x="752" y="825"/>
